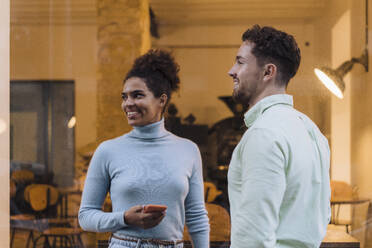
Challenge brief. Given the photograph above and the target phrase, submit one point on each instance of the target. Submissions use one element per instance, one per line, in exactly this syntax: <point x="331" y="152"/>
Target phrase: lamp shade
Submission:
<point x="333" y="79"/>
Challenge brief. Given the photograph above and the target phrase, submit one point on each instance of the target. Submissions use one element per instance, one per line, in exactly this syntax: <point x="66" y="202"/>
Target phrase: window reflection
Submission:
<point x="81" y="61"/>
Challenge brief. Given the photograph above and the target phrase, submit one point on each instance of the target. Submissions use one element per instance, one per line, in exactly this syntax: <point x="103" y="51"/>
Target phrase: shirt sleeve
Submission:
<point x="97" y="184"/>
<point x="196" y="215"/>
<point x="263" y="187"/>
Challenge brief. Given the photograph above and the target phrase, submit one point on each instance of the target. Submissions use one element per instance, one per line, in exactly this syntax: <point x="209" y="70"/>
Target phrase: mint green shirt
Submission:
<point x="278" y="179"/>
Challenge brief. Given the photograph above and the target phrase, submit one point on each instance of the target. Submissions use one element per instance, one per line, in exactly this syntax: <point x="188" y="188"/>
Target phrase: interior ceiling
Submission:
<point x="58" y="12"/>
<point x="168" y="12"/>
<point x="232" y="11"/>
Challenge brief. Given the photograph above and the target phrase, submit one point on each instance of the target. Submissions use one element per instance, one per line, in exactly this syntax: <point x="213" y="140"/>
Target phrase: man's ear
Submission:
<point x="163" y="99"/>
<point x="270" y="71"/>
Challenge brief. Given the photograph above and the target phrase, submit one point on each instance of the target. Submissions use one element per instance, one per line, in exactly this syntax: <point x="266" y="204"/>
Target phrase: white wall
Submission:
<point x="206" y="53"/>
<point x="340" y="108"/>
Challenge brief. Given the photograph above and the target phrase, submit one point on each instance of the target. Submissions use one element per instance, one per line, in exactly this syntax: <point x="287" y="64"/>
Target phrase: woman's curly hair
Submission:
<point x="159" y="71"/>
<point x="274" y="46"/>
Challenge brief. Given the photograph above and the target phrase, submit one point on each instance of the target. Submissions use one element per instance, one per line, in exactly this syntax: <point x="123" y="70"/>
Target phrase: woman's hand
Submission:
<point x="136" y="217"/>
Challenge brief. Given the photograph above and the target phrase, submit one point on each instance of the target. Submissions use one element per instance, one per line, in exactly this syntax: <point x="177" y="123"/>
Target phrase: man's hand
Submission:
<point x="135" y="216"/>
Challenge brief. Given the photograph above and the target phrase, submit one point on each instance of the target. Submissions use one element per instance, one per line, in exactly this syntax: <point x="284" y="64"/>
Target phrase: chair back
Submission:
<point x="22" y="176"/>
<point x="210" y="192"/>
<point x="219" y="220"/>
<point x="41" y="196"/>
<point x="12" y="188"/>
<point x="342" y="190"/>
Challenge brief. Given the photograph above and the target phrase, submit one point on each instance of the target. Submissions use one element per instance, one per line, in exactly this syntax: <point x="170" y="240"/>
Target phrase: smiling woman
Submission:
<point x="140" y="104"/>
<point x="150" y="82"/>
<point x="147" y="166"/>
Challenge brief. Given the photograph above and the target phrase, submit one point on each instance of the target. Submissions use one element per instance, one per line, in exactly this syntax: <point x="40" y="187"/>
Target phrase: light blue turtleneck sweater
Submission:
<point x="149" y="165"/>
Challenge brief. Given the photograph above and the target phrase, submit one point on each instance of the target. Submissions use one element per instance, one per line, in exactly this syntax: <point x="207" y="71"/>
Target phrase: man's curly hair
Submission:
<point x="159" y="71"/>
<point x="277" y="47"/>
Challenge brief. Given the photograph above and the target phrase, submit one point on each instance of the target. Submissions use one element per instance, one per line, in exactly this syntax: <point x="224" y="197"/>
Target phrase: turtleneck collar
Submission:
<point x="150" y="131"/>
<point x="256" y="111"/>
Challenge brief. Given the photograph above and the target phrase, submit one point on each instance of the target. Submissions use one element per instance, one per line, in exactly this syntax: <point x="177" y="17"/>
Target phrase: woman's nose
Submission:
<point x="128" y="102"/>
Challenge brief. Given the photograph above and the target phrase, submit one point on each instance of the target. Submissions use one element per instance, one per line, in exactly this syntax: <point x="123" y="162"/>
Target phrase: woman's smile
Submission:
<point x="132" y="114"/>
<point x="139" y="103"/>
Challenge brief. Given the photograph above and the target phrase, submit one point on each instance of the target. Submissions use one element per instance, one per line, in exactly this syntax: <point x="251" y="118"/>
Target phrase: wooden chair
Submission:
<point x="219" y="220"/>
<point x="66" y="237"/>
<point x="359" y="222"/>
<point x="58" y="232"/>
<point x="341" y="191"/>
<point x="41" y="196"/>
<point x="22" y="176"/>
<point x="210" y="192"/>
<point x="12" y="188"/>
<point x="20" y="221"/>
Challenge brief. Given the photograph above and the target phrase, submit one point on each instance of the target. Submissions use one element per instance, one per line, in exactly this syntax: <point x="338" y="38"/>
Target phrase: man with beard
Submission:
<point x="278" y="178"/>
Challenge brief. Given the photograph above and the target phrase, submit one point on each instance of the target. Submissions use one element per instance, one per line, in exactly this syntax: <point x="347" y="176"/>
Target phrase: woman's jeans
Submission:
<point x="118" y="243"/>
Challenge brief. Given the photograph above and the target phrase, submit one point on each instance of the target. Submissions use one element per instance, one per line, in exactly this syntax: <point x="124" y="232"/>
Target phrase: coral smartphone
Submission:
<point x="150" y="208"/>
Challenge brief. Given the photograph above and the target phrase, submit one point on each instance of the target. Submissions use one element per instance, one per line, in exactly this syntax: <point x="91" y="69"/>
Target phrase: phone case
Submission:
<point x="154" y="208"/>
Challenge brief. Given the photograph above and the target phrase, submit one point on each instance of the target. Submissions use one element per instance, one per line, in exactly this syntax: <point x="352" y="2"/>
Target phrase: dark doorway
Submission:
<point x="40" y="138"/>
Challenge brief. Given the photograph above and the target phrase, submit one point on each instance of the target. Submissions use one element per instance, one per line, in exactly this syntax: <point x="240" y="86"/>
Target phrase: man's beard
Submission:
<point x="239" y="97"/>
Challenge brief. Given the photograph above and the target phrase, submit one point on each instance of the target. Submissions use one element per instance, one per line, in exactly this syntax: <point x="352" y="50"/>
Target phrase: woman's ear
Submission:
<point x="163" y="99"/>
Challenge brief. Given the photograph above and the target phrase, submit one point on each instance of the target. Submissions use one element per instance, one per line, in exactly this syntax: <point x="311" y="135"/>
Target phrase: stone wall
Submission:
<point x="123" y="34"/>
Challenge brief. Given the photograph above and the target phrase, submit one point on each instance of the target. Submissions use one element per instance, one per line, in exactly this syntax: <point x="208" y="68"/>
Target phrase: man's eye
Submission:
<point x="124" y="97"/>
<point x="138" y="95"/>
<point x="238" y="62"/>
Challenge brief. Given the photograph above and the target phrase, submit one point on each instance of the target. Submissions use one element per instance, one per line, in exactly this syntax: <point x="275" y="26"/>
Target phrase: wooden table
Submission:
<point x="338" y="238"/>
<point x="348" y="201"/>
<point x="343" y="201"/>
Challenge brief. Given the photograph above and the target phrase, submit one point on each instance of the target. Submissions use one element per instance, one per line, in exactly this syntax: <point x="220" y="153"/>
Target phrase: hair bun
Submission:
<point x="159" y="61"/>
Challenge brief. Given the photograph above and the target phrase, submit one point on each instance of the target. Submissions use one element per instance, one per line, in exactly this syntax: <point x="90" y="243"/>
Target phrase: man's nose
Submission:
<point x="231" y="72"/>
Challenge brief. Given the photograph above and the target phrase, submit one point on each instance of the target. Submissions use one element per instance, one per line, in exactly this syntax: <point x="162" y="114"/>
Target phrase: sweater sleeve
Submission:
<point x="97" y="184"/>
<point x="196" y="215"/>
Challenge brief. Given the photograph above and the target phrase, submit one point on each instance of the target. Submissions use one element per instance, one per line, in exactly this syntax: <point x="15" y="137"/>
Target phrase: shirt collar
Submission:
<point x="256" y="111"/>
